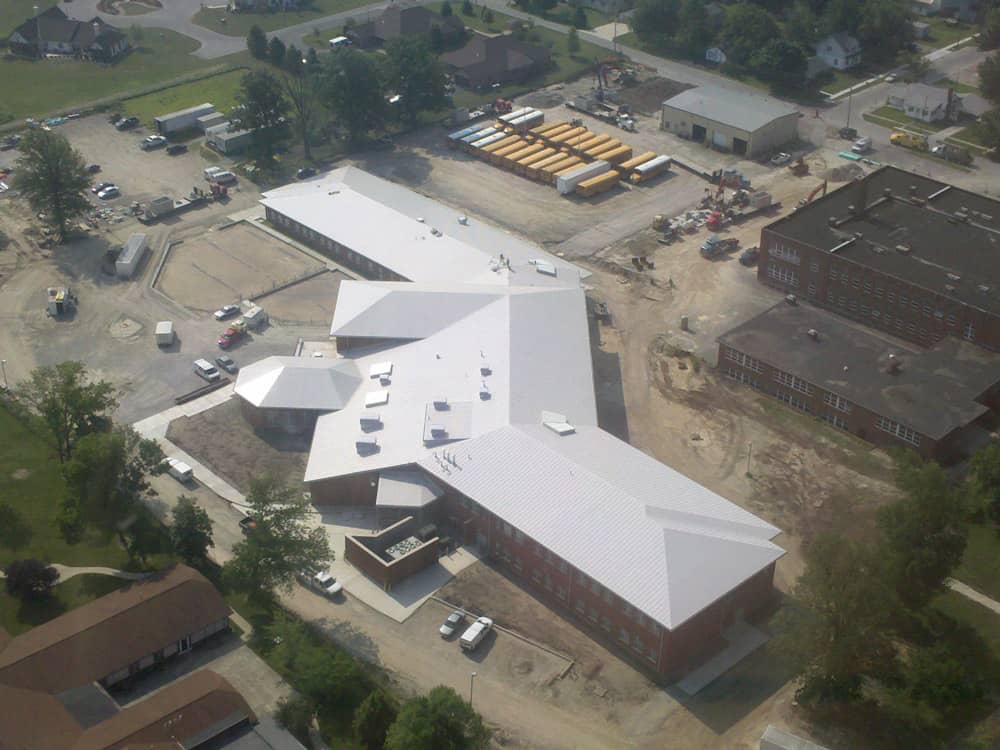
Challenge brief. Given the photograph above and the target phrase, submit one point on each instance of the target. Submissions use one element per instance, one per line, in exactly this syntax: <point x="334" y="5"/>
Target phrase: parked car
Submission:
<point x="109" y="192"/>
<point x="749" y="256"/>
<point x="93" y="168"/>
<point x="179" y="470"/>
<point x="475" y="633"/>
<point x="101" y="186"/>
<point x="227" y="364"/>
<point x="127" y="123"/>
<point x="780" y="159"/>
<point x="176" y="148"/>
<point x="226" y="311"/>
<point x="862" y="145"/>
<point x="224" y="178"/>
<point x="848" y="134"/>
<point x="153" y="141"/>
<point x="323" y="582"/>
<point x="10" y="142"/>
<point x="447" y="630"/>
<point x="304" y="173"/>
<point x="890" y="78"/>
<point x="247" y="525"/>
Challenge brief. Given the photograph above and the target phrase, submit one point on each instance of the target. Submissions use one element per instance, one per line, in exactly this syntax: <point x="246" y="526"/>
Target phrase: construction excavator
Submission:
<point x="821" y="188"/>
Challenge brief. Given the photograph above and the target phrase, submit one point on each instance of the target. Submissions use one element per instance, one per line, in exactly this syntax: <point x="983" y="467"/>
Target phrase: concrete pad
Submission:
<point x="407" y="596"/>
<point x="743" y="640"/>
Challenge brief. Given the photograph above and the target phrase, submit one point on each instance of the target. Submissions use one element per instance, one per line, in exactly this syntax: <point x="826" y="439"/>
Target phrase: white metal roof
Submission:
<point x="406" y="488"/>
<point x="298" y="383"/>
<point x="736" y="109"/>
<point x="658" y="539"/>
<point x="414" y="236"/>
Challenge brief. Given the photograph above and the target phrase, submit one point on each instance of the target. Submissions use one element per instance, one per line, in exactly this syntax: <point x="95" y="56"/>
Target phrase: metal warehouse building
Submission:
<point x="729" y="120"/>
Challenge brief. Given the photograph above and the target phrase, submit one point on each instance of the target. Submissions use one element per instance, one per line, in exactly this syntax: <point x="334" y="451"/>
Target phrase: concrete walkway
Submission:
<point x="970" y="593"/>
<point x="66" y="572"/>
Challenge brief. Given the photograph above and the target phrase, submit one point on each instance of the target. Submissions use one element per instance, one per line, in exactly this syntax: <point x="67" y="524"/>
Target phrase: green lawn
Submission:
<point x="238" y="24"/>
<point x="980" y="567"/>
<point x="895" y="117"/>
<point x="15" y="12"/>
<point x="944" y="33"/>
<point x="17" y="617"/>
<point x="844" y="79"/>
<point x="960" y="88"/>
<point x="220" y="90"/>
<point x="974" y="133"/>
<point x="564" y="14"/>
<point x="42" y="87"/>
<point x="984" y="621"/>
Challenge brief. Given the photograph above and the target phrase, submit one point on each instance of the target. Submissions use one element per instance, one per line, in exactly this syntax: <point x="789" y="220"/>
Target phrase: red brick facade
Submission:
<point x="856" y="291"/>
<point x="292" y="421"/>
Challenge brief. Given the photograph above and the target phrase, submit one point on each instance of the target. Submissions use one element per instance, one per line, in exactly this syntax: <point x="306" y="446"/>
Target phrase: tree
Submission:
<point x="53" y="176"/>
<point x="15" y="531"/>
<point x="436" y="39"/>
<point x="925" y="532"/>
<point x="190" y="530"/>
<point x="836" y="632"/>
<point x="30" y="579"/>
<point x="782" y="63"/>
<point x="801" y="24"/>
<point x="276" y="52"/>
<point x="694" y="34"/>
<point x="136" y="33"/>
<point x="989" y="37"/>
<point x="989" y="126"/>
<point x="414" y="72"/>
<point x="107" y="476"/>
<point x="312" y="58"/>
<point x="573" y="41"/>
<point x="884" y="28"/>
<point x="989" y="78"/>
<point x="261" y="108"/>
<point x="63" y="399"/>
<point x="373" y="718"/>
<point x="446" y="10"/>
<point x="653" y="21"/>
<point x="333" y="680"/>
<point x="488" y="14"/>
<point x="747" y="28"/>
<point x="984" y="478"/>
<point x="294" y="62"/>
<point x="301" y="91"/>
<point x="467" y="9"/>
<point x="257" y="43"/>
<point x="296" y="715"/>
<point x="441" y="719"/>
<point x="352" y="89"/>
<point x="281" y="544"/>
<point x="840" y="15"/>
<point x="945" y="679"/>
<point x="580" y="17"/>
<point x="915" y="65"/>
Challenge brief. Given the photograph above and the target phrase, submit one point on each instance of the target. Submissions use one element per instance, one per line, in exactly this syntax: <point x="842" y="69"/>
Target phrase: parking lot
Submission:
<point x="228" y="265"/>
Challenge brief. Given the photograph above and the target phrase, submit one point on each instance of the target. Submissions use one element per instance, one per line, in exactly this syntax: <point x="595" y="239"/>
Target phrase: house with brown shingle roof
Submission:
<point x="53" y="677"/>
<point x="397" y="21"/>
<point x="485" y="60"/>
<point x="53" y="32"/>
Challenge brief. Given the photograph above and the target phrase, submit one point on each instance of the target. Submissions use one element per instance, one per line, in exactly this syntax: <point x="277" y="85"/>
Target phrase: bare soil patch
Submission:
<point x="311" y="301"/>
<point x="648" y="96"/>
<point x="225" y="442"/>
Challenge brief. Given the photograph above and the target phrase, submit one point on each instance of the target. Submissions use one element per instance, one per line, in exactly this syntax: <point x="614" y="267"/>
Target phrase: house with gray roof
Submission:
<point x="925" y="103"/>
<point x="730" y="120"/>
<point x="52" y="32"/>
<point x="839" y="50"/>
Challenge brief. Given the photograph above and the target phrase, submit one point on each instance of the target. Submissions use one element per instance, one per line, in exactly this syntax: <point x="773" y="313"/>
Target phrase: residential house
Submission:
<point x="487" y="60"/>
<point x="52" y="32"/>
<point x="920" y="30"/>
<point x="397" y="21"/>
<point x="840" y="50"/>
<point x="925" y="103"/>
<point x="963" y="10"/>
<point x="715" y="55"/>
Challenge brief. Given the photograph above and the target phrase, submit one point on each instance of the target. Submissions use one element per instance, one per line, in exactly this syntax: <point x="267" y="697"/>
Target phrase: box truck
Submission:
<point x="164" y="333"/>
<point x="566" y="183"/>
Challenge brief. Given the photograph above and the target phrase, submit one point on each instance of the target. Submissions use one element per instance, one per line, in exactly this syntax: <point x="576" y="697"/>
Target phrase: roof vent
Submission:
<point x="380" y="370"/>
<point x="913" y="189"/>
<point x="791" y="299"/>
<point x="557" y="423"/>
<point x="436" y="232"/>
<point x="441" y="403"/>
<point x="376" y="398"/>
<point x="485" y="369"/>
<point x="420" y="219"/>
<point x="903" y="249"/>
<point x="813" y="334"/>
<point x="954" y="277"/>
<point x="852" y="209"/>
<point x="484" y="391"/>
<point x="370" y="420"/>
<point x="961" y="215"/>
<point x="832" y="221"/>
<point x="463" y="220"/>
<point x="949" y="288"/>
<point x="887" y="192"/>
<point x="366" y="445"/>
<point x="985" y="288"/>
<point x="845" y="368"/>
<point x="892" y="367"/>
<point x="438" y="431"/>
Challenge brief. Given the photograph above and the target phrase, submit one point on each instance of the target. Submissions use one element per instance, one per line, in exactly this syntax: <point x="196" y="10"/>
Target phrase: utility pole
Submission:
<point x="472" y="683"/>
<point x="749" y="453"/>
<point x="850" y="93"/>
<point x="3" y="368"/>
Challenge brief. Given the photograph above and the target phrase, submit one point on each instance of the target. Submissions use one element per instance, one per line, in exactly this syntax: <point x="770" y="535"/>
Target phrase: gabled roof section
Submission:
<point x="30" y="720"/>
<point x="733" y="108"/>
<point x="416" y="237"/>
<point x="661" y="541"/>
<point x="298" y="383"/>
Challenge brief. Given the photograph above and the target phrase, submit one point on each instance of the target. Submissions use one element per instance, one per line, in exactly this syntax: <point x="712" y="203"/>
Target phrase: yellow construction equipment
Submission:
<point x="908" y="140"/>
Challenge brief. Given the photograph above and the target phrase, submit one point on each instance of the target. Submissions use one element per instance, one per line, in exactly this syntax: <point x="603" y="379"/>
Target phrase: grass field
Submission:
<point x="974" y="133"/>
<point x="889" y="116"/>
<point x="984" y="621"/>
<point x="238" y="24"/>
<point x="980" y="566"/>
<point x="564" y="14"/>
<point x="220" y="90"/>
<point x="17" y="617"/>
<point x="40" y="87"/>
<point x="15" y="12"/>
<point x="944" y="33"/>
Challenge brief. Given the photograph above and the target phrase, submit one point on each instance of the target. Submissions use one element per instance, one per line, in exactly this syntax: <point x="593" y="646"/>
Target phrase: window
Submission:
<point x="868" y="287"/>
<point x="842" y="301"/>
<point x="653" y="627"/>
<point x="744" y="361"/>
<point x="548" y="557"/>
<point x="811" y="290"/>
<point x="607" y="596"/>
<point x="518" y="536"/>
<point x="623" y="635"/>
<point x="895" y="428"/>
<point x="782" y="274"/>
<point x="548" y="582"/>
<point x="915" y="305"/>
<point x="539" y="550"/>
<point x="792" y="382"/>
<point x="637" y="645"/>
<point x="969" y="333"/>
<point x="651" y="654"/>
<point x="904" y="300"/>
<point x="927" y="310"/>
<point x="890" y="297"/>
<point x="833" y="274"/>
<point x="865" y="310"/>
<point x="507" y="530"/>
<point x="814" y="267"/>
<point x="793" y="401"/>
<point x="517" y="564"/>
<point x="581" y="578"/>
<point x="580" y="606"/>
<point x="852" y="306"/>
<point x="536" y="575"/>
<point x="592" y="615"/>
<point x="563" y="567"/>
<point x="845" y="277"/>
<point x="835" y="420"/>
<point x="561" y="593"/>
<point x="832" y="399"/>
<point x="876" y="314"/>
<point x="606" y="623"/>
<point x="952" y="321"/>
<point x="878" y="292"/>
<point x="742" y="377"/>
<point x="785" y="253"/>
<point x="856" y="282"/>
<point x="629" y="613"/>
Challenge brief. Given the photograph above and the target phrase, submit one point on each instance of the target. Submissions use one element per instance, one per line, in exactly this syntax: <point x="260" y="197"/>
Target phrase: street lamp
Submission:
<point x="472" y="682"/>
<point x="3" y="368"/>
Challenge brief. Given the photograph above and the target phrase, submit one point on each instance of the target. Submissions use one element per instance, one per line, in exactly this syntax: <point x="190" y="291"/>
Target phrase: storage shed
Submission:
<point x="728" y="120"/>
<point x="227" y="141"/>
<point x="131" y="256"/>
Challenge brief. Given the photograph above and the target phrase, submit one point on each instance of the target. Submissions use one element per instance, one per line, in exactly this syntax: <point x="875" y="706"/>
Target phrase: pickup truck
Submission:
<point x="715" y="246"/>
<point x="475" y="633"/>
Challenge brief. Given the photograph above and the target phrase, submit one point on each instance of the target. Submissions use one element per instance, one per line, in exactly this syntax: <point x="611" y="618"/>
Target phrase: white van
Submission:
<point x="475" y="633"/>
<point x="339" y="41"/>
<point x="205" y="369"/>
<point x="179" y="470"/>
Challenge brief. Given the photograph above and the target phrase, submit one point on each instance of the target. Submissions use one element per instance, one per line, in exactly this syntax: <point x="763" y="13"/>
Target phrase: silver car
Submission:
<point x="447" y="630"/>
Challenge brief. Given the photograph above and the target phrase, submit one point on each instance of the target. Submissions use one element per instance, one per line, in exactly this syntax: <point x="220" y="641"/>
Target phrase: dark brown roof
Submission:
<point x="52" y="25"/>
<point x="492" y="56"/>
<point x="30" y="721"/>
<point x="107" y="634"/>
<point x="395" y="22"/>
<point x="186" y="712"/>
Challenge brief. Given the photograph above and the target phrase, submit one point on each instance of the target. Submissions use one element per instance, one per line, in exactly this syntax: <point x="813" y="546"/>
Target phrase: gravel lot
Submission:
<point x="312" y="300"/>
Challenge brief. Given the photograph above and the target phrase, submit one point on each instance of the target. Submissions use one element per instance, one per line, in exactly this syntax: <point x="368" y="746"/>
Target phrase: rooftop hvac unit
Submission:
<point x="438" y="431"/>
<point x="366" y="444"/>
<point x="485" y="369"/>
<point x="484" y="392"/>
<point x="441" y="403"/>
<point x="369" y="420"/>
<point x="813" y="334"/>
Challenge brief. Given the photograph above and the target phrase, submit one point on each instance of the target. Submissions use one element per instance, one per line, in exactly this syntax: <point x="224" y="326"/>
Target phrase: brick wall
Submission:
<point x="362" y="553"/>
<point x="292" y="421"/>
<point x="855" y="291"/>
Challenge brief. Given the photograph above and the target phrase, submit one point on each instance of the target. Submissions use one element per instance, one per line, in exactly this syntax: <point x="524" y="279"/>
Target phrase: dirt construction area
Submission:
<point x="311" y="301"/>
<point x="228" y="265"/>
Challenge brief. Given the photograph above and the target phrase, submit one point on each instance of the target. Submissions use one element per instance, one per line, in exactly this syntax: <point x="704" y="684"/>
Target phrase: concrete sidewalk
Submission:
<point x="971" y="593"/>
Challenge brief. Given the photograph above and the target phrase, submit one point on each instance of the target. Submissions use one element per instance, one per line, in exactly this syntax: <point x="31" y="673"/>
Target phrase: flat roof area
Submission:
<point x="933" y="392"/>
<point x="735" y="109"/>
<point x="419" y="238"/>
<point x="906" y="210"/>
